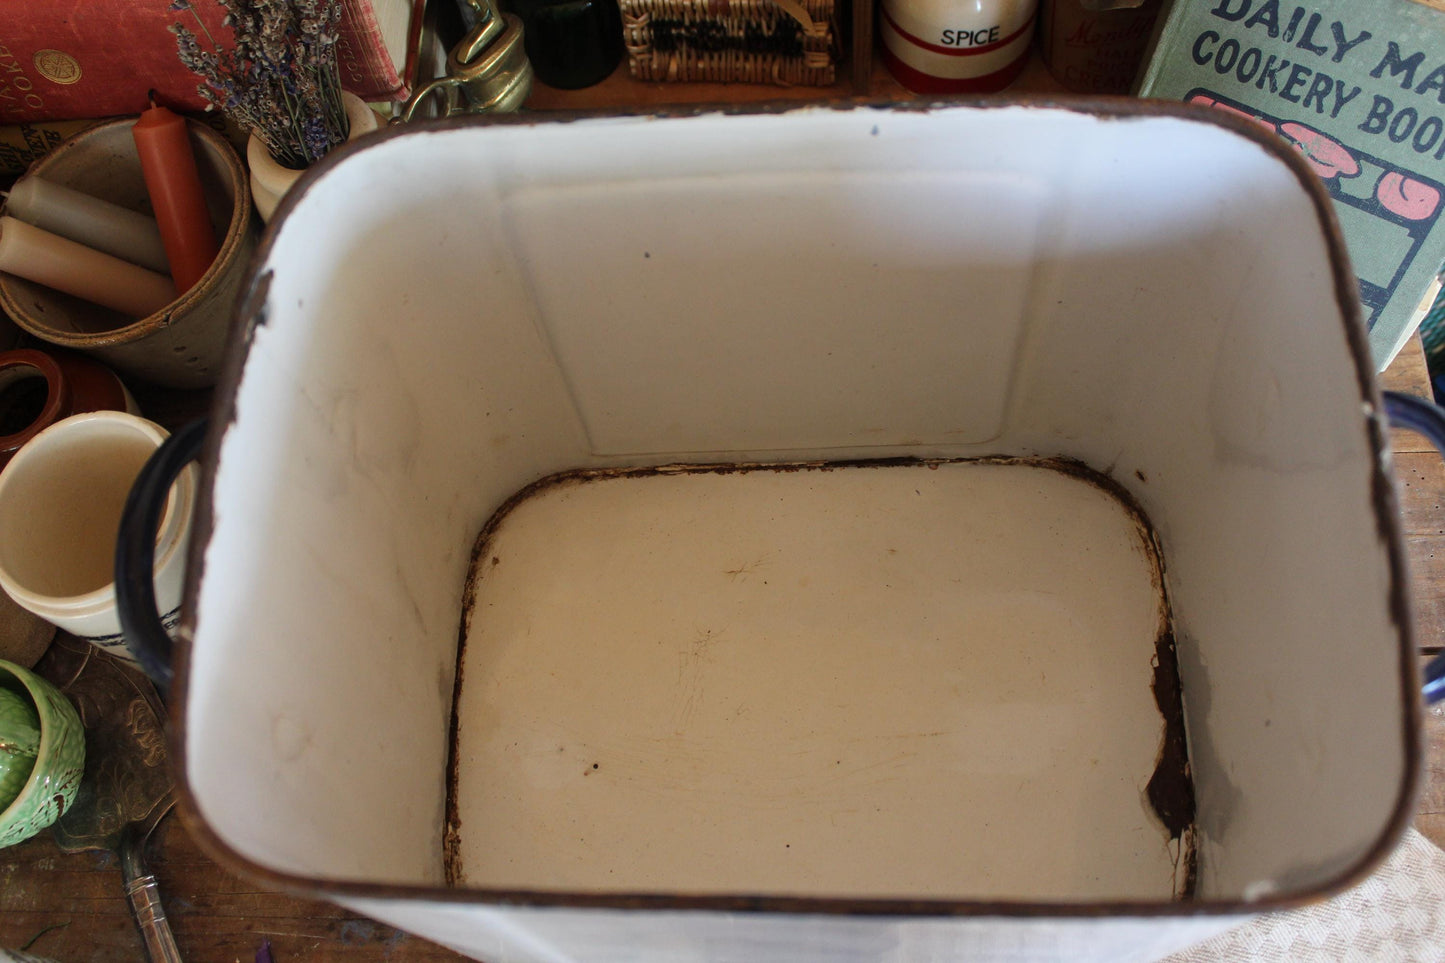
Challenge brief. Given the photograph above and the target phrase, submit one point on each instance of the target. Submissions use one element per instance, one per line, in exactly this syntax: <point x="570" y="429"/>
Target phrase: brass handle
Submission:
<point x="487" y="71"/>
<point x="447" y="84"/>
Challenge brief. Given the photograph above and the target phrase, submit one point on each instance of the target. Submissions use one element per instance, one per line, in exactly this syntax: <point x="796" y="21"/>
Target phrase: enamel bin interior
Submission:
<point x="444" y="317"/>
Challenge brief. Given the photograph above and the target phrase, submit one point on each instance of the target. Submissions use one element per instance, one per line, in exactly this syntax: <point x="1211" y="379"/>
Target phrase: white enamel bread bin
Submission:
<point x="768" y="537"/>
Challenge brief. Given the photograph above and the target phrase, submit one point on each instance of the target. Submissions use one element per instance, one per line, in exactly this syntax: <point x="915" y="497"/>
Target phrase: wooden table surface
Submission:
<point x="70" y="908"/>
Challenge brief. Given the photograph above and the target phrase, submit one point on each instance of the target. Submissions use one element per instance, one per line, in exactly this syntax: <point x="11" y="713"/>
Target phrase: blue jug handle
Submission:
<point x="135" y="547"/>
<point x="135" y="550"/>
<point x="1419" y="415"/>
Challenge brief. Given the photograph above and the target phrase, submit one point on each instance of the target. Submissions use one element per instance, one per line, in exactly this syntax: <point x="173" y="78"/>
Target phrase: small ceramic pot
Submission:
<point x="39" y="388"/>
<point x="61" y="500"/>
<point x="19" y="743"/>
<point x="270" y="181"/>
<point x="59" y="759"/>
<point x="181" y="345"/>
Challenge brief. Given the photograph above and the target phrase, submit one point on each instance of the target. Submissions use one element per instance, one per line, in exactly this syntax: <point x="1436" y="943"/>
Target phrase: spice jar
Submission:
<point x="956" y="46"/>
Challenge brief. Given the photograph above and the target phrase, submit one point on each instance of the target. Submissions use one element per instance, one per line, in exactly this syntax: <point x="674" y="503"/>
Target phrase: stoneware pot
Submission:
<point x="39" y="388"/>
<point x="19" y="743"/>
<point x="59" y="758"/>
<point x="61" y="499"/>
<point x="270" y="181"/>
<point x="181" y="345"/>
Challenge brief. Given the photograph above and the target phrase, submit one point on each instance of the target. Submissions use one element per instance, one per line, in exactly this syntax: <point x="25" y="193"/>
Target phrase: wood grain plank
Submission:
<point x="1430" y="810"/>
<point x="75" y="897"/>
<point x="230" y="916"/>
<point x="1408" y="373"/>
<point x="1420" y="480"/>
<point x="214" y="914"/>
<point x="1425" y="556"/>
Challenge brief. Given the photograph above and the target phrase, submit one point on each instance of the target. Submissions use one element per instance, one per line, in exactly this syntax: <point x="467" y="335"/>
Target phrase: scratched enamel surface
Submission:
<point x="1154" y="296"/>
<point x="876" y="681"/>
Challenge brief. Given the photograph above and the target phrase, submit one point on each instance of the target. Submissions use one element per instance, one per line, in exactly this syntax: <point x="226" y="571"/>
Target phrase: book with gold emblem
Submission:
<point x="70" y="59"/>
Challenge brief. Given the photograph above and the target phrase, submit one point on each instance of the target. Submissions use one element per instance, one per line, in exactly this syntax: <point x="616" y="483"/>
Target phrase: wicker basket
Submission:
<point x="732" y="41"/>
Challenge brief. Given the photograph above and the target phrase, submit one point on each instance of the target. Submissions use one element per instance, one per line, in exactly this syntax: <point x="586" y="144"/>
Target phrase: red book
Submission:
<point x="377" y="48"/>
<point x="62" y="59"/>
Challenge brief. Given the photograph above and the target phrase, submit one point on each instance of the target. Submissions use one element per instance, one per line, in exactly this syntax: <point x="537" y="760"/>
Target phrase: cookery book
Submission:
<point x="23" y="144"/>
<point x="65" y="59"/>
<point x="1358" y="88"/>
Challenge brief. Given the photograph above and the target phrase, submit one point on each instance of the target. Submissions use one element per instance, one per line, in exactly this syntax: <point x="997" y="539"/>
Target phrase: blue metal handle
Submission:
<point x="1417" y="414"/>
<point x="135" y="548"/>
<point x="135" y="552"/>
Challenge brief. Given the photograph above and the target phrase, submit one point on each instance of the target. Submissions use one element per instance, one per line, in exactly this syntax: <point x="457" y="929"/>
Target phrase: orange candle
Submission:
<point x="175" y="189"/>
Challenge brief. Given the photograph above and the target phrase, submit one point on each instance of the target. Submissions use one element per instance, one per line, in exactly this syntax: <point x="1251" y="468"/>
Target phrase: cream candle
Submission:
<point x="88" y="220"/>
<point x="35" y="255"/>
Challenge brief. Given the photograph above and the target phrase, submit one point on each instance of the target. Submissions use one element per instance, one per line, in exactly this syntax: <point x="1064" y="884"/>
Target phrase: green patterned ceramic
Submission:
<point x="19" y="743"/>
<point x="58" y="763"/>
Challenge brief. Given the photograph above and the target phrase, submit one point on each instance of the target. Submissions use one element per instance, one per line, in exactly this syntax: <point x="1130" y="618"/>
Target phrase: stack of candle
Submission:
<point x="107" y="254"/>
<point x="83" y="246"/>
<point x="88" y="220"/>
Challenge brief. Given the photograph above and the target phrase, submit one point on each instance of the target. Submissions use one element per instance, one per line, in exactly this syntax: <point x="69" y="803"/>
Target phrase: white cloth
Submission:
<point x="1396" y="914"/>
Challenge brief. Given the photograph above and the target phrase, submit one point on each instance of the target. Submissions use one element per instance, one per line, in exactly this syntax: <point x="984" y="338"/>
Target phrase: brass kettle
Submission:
<point x="487" y="71"/>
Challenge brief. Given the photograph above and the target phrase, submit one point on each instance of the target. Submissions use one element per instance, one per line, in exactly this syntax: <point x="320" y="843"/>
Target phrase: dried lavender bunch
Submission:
<point x="279" y="81"/>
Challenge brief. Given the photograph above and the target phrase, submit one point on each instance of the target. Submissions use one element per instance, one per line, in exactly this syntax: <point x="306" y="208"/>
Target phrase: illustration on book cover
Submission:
<point x="1387" y="212"/>
<point x="1360" y="94"/>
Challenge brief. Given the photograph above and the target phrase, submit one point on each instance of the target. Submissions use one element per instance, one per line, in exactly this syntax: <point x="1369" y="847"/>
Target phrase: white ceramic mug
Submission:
<point x="61" y="499"/>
